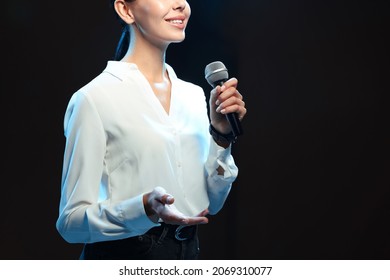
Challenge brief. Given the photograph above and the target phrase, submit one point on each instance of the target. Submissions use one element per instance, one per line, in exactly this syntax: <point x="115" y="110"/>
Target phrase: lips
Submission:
<point x="177" y="21"/>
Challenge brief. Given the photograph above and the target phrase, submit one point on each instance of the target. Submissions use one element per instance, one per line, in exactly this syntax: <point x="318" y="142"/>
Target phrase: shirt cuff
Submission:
<point x="220" y="156"/>
<point x="134" y="215"/>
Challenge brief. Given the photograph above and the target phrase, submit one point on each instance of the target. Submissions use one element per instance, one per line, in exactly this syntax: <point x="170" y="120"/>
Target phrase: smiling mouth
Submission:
<point x="176" y="21"/>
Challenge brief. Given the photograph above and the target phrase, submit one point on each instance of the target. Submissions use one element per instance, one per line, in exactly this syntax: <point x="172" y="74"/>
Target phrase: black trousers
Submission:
<point x="166" y="242"/>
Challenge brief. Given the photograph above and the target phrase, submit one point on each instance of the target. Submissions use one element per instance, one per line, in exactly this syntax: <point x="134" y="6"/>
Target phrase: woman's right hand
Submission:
<point x="159" y="204"/>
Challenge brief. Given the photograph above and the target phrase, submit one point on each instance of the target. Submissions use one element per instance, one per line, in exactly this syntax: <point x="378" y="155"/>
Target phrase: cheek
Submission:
<point x="155" y="10"/>
<point x="159" y="7"/>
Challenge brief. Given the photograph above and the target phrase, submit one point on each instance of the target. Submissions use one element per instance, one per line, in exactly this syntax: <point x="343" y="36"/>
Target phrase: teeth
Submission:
<point x="176" y="21"/>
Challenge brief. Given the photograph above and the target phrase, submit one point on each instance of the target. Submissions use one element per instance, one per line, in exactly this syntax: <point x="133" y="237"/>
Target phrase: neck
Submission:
<point x="148" y="57"/>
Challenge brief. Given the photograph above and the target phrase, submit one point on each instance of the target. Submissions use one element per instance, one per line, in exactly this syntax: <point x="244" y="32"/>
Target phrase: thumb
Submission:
<point x="162" y="196"/>
<point x="167" y="199"/>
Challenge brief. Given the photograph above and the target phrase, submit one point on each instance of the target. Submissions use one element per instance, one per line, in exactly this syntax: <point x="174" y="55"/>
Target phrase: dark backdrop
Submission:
<point x="314" y="158"/>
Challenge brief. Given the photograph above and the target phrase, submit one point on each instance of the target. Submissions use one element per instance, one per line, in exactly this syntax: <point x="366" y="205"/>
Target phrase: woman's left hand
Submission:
<point x="223" y="100"/>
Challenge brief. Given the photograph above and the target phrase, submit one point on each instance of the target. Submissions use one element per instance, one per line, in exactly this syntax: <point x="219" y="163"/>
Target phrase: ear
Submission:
<point x="123" y="11"/>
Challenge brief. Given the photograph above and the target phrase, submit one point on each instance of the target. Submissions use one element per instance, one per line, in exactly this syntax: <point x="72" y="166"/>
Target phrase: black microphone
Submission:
<point x="216" y="74"/>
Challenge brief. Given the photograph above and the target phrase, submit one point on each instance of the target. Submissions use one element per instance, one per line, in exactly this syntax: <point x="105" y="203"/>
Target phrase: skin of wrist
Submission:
<point x="148" y="209"/>
<point x="152" y="215"/>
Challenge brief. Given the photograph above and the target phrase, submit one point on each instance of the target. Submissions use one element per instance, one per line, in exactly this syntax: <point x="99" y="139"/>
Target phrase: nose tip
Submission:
<point x="180" y="4"/>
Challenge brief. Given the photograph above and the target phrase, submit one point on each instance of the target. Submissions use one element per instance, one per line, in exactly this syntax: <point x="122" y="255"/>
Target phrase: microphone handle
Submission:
<point x="235" y="123"/>
<point x="232" y="118"/>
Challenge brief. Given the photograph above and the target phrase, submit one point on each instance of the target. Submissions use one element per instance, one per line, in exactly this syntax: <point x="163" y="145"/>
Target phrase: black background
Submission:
<point x="314" y="158"/>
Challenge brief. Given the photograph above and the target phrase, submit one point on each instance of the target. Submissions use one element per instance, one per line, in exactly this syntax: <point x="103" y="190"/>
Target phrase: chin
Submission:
<point x="179" y="39"/>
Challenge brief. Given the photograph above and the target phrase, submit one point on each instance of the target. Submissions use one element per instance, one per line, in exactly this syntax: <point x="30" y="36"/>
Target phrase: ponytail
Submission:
<point x="124" y="41"/>
<point x="123" y="44"/>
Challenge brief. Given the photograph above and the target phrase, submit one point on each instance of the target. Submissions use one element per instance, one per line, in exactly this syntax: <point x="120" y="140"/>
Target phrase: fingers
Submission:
<point x="198" y="219"/>
<point x="195" y="221"/>
<point x="170" y="215"/>
<point x="230" y="105"/>
<point x="232" y="82"/>
<point x="228" y="99"/>
<point x="161" y="204"/>
<point x="203" y="213"/>
<point x="189" y="221"/>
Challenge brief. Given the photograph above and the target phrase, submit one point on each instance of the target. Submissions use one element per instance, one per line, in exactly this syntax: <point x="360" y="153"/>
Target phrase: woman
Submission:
<point x="140" y="168"/>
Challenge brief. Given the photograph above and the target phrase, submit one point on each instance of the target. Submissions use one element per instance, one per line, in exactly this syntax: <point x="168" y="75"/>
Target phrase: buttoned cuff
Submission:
<point x="134" y="215"/>
<point x="219" y="156"/>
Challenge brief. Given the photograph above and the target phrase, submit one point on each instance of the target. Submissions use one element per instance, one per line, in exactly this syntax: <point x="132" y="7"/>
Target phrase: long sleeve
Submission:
<point x="84" y="216"/>
<point x="219" y="186"/>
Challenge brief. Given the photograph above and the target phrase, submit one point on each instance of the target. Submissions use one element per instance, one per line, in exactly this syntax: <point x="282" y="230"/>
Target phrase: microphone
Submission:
<point x="216" y="74"/>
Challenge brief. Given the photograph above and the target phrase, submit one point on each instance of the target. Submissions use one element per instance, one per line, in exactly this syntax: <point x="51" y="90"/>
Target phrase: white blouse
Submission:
<point x="121" y="143"/>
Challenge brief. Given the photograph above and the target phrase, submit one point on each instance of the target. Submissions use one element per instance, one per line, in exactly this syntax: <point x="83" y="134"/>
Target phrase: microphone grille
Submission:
<point x="215" y="71"/>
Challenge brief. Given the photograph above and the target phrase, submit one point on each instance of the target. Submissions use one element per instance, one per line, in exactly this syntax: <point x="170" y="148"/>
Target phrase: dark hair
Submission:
<point x="124" y="40"/>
